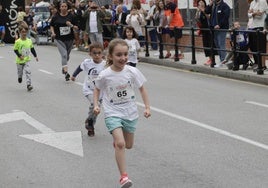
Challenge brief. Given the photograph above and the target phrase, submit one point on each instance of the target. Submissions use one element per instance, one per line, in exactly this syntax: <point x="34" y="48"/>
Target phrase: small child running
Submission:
<point x="92" y="67"/>
<point x="130" y="37"/>
<point x="117" y="84"/>
<point x="22" y="47"/>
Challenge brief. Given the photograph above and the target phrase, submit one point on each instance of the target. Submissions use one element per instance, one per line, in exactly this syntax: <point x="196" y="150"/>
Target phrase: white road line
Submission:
<point x="208" y="127"/>
<point x="79" y="83"/>
<point x="257" y="104"/>
<point x="44" y="71"/>
<point x="205" y="126"/>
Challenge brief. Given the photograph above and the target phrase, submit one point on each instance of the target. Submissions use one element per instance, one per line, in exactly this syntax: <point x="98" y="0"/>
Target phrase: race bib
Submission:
<point x="121" y="94"/>
<point x="25" y="52"/>
<point x="132" y="50"/>
<point x="91" y="81"/>
<point x="65" y="30"/>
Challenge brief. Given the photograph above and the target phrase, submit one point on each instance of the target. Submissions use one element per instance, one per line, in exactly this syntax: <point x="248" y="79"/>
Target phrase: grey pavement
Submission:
<point x="185" y="63"/>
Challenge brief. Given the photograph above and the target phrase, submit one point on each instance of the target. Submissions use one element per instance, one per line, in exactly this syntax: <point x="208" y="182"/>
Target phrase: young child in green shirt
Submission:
<point x="22" y="47"/>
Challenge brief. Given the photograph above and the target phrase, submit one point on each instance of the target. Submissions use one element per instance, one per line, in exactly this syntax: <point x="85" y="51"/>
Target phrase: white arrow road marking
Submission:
<point x="67" y="141"/>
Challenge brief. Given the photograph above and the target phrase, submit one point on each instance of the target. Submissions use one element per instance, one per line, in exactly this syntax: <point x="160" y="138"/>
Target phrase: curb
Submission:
<point x="238" y="75"/>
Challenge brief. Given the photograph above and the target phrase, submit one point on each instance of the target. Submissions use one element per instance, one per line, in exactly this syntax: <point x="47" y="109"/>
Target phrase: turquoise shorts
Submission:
<point x="113" y="123"/>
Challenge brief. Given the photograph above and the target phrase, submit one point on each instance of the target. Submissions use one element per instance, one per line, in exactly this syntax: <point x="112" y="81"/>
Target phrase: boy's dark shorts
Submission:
<point x="176" y="32"/>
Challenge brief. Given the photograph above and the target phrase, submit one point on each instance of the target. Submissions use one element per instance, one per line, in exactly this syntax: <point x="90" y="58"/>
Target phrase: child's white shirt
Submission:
<point x="133" y="47"/>
<point x="92" y="71"/>
<point x="118" y="91"/>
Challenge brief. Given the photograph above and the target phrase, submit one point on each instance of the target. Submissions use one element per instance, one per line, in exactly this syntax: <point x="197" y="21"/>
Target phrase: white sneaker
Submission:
<point x="75" y="48"/>
<point x="220" y="65"/>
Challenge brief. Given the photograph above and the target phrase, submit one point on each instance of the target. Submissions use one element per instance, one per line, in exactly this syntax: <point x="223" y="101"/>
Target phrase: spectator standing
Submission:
<point x="28" y="18"/>
<point x="92" y="67"/>
<point x="175" y="24"/>
<point x="202" y="20"/>
<point x="151" y="22"/>
<point x="94" y="27"/>
<point x="82" y="22"/>
<point x="2" y="26"/>
<point x="61" y="26"/>
<point x="136" y="20"/>
<point x="219" y="19"/>
<point x="23" y="47"/>
<point x="21" y="14"/>
<point x="257" y="12"/>
<point x="161" y="23"/>
<point x="120" y="20"/>
<point x="117" y="83"/>
<point x="108" y="32"/>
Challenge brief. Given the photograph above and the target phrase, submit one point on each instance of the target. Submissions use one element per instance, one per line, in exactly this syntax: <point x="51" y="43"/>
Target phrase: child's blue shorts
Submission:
<point x="113" y="123"/>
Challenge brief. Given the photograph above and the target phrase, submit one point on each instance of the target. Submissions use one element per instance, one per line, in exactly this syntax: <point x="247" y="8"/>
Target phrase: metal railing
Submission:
<point x="192" y="34"/>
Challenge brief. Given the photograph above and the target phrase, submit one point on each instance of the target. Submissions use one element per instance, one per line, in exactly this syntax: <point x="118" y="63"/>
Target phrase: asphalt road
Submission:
<point x="205" y="131"/>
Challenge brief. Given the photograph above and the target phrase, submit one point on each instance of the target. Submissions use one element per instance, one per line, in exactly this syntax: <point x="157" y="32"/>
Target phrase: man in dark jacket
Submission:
<point x="219" y="19"/>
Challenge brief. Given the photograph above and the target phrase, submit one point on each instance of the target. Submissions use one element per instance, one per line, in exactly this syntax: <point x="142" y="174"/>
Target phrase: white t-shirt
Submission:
<point x="93" y="22"/>
<point x="118" y="91"/>
<point x="136" y="21"/>
<point x="259" y="5"/>
<point x="92" y="71"/>
<point x="133" y="47"/>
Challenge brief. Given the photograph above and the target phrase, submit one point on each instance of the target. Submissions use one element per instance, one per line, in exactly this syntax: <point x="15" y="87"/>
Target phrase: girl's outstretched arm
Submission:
<point x="96" y="95"/>
<point x="145" y="98"/>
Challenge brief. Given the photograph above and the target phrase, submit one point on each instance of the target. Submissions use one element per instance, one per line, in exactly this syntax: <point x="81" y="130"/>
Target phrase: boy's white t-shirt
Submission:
<point x="92" y="71"/>
<point x="118" y="91"/>
<point x="133" y="47"/>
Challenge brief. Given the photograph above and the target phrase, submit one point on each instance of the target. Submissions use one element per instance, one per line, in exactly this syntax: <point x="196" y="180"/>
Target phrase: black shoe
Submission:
<point x="19" y="80"/>
<point x="245" y="66"/>
<point x="235" y="68"/>
<point x="90" y="127"/>
<point x="67" y="76"/>
<point x="29" y="87"/>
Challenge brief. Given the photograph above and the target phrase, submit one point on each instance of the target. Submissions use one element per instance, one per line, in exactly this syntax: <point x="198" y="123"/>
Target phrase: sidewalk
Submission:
<point x="185" y="63"/>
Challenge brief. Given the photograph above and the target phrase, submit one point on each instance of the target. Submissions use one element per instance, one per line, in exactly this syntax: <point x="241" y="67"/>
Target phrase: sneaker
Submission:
<point x="29" y="87"/>
<point x="181" y="56"/>
<point x="67" y="76"/>
<point x="90" y="127"/>
<point x="208" y="62"/>
<point x="218" y="65"/>
<point x="245" y="66"/>
<point x="168" y="55"/>
<point x="2" y="44"/>
<point x="125" y="182"/>
<point x="230" y="65"/>
<point x="75" y="48"/>
<point x="223" y="62"/>
<point x="86" y="47"/>
<point x="19" y="80"/>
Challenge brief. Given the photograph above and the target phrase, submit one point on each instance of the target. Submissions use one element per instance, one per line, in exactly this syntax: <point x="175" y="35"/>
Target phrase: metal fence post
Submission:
<point x="193" y="46"/>
<point x="146" y="42"/>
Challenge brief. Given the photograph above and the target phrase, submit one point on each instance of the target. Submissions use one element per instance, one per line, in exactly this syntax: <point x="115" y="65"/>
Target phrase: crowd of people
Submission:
<point x="213" y="19"/>
<point x="111" y="81"/>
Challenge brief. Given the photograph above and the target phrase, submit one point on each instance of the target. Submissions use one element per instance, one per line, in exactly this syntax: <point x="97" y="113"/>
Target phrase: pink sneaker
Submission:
<point x="125" y="182"/>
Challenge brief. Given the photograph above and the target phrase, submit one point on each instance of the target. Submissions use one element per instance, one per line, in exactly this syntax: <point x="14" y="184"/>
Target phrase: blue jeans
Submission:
<point x="220" y="43"/>
<point x="153" y="37"/>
